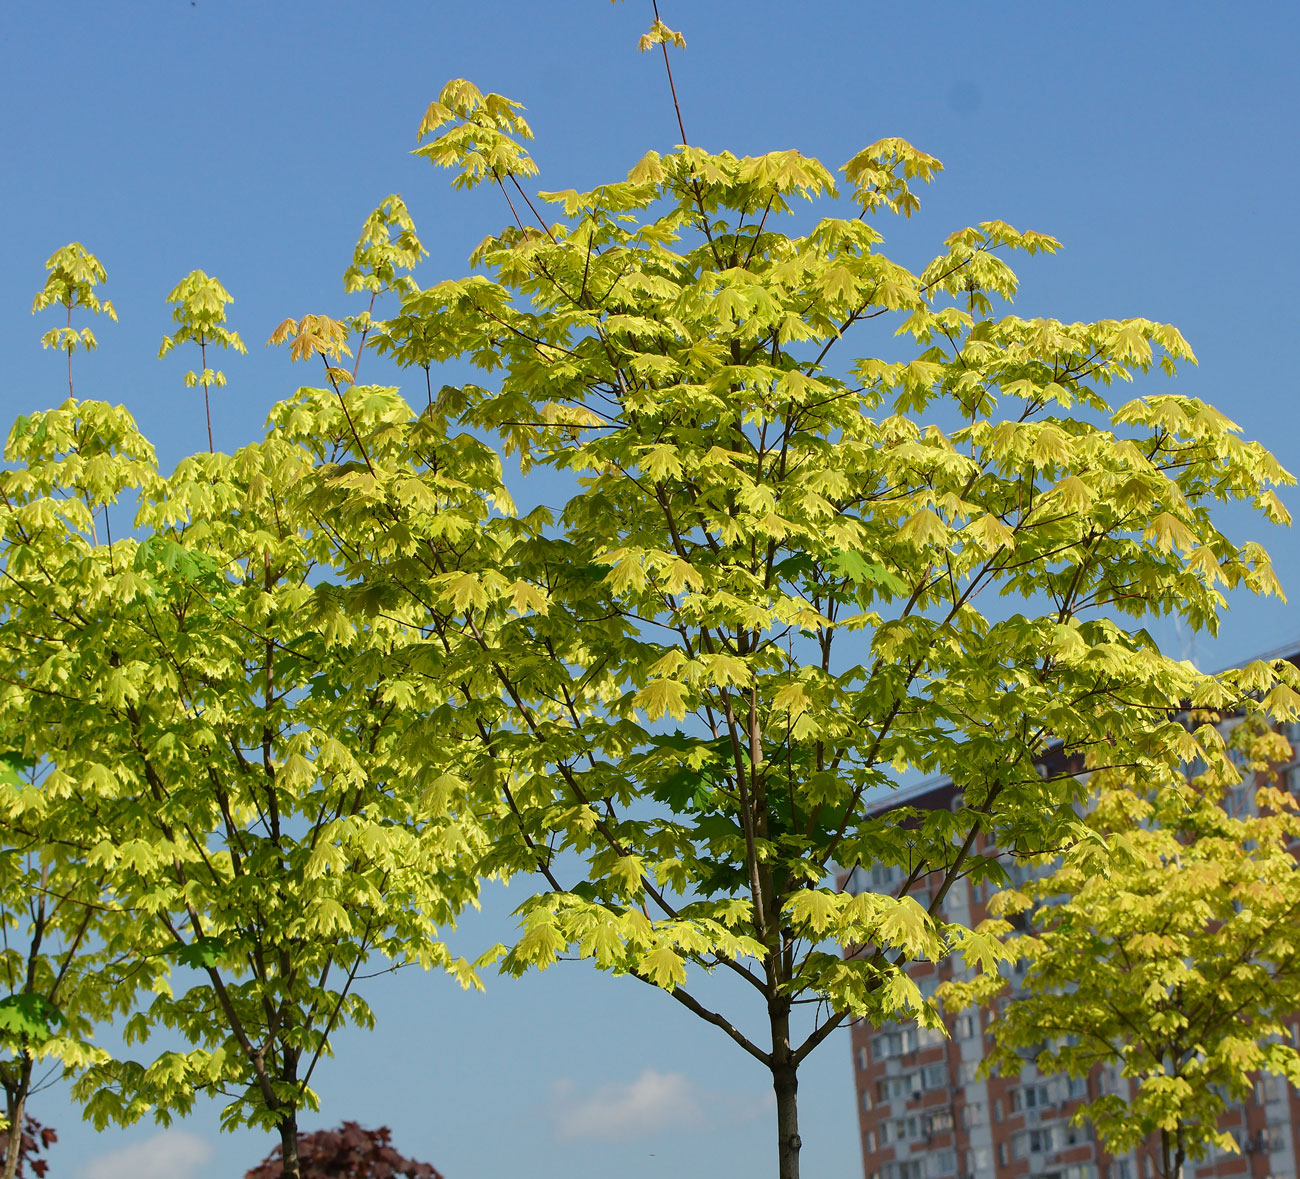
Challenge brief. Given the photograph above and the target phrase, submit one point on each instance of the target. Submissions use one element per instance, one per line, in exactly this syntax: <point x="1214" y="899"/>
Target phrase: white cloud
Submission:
<point x="655" y="1101"/>
<point x="173" y="1154"/>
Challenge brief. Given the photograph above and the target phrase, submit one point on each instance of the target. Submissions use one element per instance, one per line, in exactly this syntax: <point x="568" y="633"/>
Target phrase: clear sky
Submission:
<point x="1155" y="139"/>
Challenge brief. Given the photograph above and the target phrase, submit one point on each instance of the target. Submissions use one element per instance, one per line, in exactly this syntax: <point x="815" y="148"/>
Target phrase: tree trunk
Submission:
<point x="1173" y="1153"/>
<point x="17" y="1108"/>
<point x="288" y="1128"/>
<point x="785" y="1081"/>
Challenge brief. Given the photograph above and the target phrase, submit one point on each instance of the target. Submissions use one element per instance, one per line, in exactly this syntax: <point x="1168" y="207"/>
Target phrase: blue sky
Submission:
<point x="251" y="139"/>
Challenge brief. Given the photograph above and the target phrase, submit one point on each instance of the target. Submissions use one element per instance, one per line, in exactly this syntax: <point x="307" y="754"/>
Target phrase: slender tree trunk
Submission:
<point x="785" y="1081"/>
<point x="288" y="1128"/>
<point x="288" y="1124"/>
<point x="16" y="1109"/>
<point x="1173" y="1153"/>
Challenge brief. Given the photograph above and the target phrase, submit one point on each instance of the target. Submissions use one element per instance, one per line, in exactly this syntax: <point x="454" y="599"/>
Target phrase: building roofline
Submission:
<point x="1290" y="651"/>
<point x="902" y="795"/>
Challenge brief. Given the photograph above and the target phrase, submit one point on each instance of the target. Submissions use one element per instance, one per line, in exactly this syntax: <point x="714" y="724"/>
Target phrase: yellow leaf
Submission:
<point x="815" y="907"/>
<point x="660" y="697"/>
<point x="792" y="699"/>
<point x="923" y="528"/>
<point x="525" y="597"/>
<point x="726" y="669"/>
<point x="626" y="874"/>
<point x="990" y="533"/>
<point x="664" y="967"/>
<point x="466" y="592"/>
<point x="1167" y="531"/>
<point x="540" y="945"/>
<point x="1073" y="494"/>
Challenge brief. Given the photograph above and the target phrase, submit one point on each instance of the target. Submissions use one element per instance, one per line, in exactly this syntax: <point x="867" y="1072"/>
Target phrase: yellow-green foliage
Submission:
<point x="228" y="759"/>
<point x="1168" y="948"/>
<point x="338" y="678"/>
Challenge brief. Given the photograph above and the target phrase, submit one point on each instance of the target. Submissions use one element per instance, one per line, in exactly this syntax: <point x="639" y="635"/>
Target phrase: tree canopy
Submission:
<point x="781" y="576"/>
<point x="806" y="521"/>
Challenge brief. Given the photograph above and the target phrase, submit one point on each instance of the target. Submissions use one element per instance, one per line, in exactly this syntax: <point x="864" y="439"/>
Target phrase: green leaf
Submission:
<point x="29" y="1016"/>
<point x="203" y="953"/>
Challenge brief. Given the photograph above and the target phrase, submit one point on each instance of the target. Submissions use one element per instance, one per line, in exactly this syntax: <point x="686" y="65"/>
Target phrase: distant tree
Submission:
<point x="1166" y="948"/>
<point x="350" y="1152"/>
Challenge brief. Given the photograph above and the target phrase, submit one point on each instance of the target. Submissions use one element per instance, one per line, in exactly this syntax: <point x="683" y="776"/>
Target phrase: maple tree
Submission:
<point x="74" y="273"/>
<point x="766" y="595"/>
<point x="55" y="917"/>
<point x="55" y="971"/>
<point x="1167" y="949"/>
<point x="220" y="750"/>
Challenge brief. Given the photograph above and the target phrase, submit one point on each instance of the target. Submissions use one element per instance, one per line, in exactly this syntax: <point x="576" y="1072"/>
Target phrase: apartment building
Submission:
<point x="925" y="1114"/>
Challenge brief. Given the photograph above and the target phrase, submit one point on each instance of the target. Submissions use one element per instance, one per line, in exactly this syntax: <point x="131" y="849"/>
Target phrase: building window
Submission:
<point x="899" y="1130"/>
<point x="929" y="1037"/>
<point x="966" y="1026"/>
<point x="1270" y="1087"/>
<point x="902" y="1041"/>
<point x="1120" y="1169"/>
<point x="997" y="1110"/>
<point x="885" y="1045"/>
<point x="1002" y="1154"/>
<point x="1275" y="1136"/>
<point x="871" y="1142"/>
<point x="972" y="1114"/>
<point x="978" y="1161"/>
<point x="911" y="1085"/>
<point x="1039" y="1140"/>
<point x="915" y="1127"/>
<point x="940" y="1163"/>
<point x="905" y="1169"/>
<point x="939" y="1121"/>
<point x="882" y="878"/>
<point x="1031" y="1097"/>
<point x="1111" y="1082"/>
